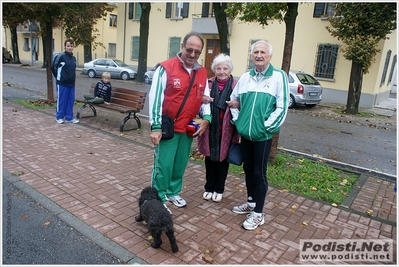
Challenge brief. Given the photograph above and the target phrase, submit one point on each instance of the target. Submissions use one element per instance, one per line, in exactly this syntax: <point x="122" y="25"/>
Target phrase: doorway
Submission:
<point x="212" y="50"/>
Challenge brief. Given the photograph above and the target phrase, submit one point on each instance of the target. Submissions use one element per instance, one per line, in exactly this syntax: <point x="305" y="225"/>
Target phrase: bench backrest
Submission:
<point x="126" y="97"/>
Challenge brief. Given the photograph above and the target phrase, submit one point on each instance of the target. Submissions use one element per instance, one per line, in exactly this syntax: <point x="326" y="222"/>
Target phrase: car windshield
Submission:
<point x="307" y="79"/>
<point x="120" y="63"/>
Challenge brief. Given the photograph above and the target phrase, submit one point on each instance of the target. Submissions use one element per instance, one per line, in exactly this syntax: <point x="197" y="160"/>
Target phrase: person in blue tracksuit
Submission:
<point x="64" y="70"/>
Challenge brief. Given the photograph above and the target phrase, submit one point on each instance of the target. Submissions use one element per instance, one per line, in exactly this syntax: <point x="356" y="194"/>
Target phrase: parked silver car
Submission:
<point x="117" y="68"/>
<point x="304" y="89"/>
<point x="149" y="74"/>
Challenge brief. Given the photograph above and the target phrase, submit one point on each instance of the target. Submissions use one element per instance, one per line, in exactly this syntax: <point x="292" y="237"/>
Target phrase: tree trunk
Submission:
<point x="223" y="26"/>
<point x="355" y="88"/>
<point x="44" y="43"/>
<point x="14" y="45"/>
<point x="144" y="31"/>
<point x="87" y="57"/>
<point x="290" y="19"/>
<point x="49" y="46"/>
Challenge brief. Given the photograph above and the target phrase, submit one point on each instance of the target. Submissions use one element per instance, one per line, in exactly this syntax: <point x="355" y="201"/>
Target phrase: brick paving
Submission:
<point x="96" y="174"/>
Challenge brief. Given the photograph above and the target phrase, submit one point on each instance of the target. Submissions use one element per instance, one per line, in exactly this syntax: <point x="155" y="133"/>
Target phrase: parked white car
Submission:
<point x="304" y="89"/>
<point x="117" y="68"/>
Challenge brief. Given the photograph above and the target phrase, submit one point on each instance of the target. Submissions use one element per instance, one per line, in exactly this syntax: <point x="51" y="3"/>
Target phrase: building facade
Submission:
<point x="315" y="51"/>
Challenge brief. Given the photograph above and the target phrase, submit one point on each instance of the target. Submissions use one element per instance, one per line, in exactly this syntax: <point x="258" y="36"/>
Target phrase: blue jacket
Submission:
<point x="64" y="69"/>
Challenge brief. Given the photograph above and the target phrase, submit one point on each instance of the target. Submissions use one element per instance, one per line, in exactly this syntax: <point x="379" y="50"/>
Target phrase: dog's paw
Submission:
<point x="138" y="219"/>
<point x="175" y="249"/>
<point x="155" y="245"/>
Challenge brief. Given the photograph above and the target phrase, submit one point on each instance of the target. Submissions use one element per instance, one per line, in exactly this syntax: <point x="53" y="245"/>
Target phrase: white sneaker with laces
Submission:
<point x="73" y="121"/>
<point x="244" y="208"/>
<point x="60" y="121"/>
<point x="217" y="197"/>
<point x="177" y="201"/>
<point x="207" y="195"/>
<point x="253" y="220"/>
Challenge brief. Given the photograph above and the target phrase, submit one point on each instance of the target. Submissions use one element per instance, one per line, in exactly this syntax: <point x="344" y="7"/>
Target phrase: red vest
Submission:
<point x="176" y="88"/>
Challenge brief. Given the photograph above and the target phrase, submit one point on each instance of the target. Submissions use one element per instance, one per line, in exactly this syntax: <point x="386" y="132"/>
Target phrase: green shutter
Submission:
<point x="174" y="46"/>
<point x="168" y="10"/>
<point x="135" y="47"/>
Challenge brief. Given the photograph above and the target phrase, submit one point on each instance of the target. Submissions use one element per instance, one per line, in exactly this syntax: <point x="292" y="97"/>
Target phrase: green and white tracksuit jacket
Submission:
<point x="263" y="104"/>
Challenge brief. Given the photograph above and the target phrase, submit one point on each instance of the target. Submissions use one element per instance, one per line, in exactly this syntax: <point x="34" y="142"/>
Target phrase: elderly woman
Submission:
<point x="215" y="142"/>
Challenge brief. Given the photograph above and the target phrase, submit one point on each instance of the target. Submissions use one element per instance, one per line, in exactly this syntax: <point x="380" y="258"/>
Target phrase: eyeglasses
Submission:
<point x="190" y="51"/>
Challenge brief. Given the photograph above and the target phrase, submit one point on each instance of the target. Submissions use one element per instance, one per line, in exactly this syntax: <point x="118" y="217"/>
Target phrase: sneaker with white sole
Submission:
<point x="73" y="121"/>
<point x="177" y="201"/>
<point x="207" y="195"/>
<point x="253" y="220"/>
<point x="244" y="208"/>
<point x="217" y="197"/>
<point x="166" y="207"/>
<point x="60" y="121"/>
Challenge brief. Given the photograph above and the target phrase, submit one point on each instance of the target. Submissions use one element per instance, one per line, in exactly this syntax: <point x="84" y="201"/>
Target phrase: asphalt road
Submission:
<point x="366" y="144"/>
<point x="33" y="235"/>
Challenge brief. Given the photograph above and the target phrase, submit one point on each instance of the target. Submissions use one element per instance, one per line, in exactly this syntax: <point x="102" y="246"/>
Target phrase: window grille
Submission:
<point x="326" y="60"/>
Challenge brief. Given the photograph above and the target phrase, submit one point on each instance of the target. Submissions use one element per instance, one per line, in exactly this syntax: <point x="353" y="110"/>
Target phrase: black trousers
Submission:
<point x="255" y="156"/>
<point x="216" y="174"/>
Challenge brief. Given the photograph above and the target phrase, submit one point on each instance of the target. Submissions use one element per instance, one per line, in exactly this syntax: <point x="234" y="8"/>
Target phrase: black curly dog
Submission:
<point x="157" y="217"/>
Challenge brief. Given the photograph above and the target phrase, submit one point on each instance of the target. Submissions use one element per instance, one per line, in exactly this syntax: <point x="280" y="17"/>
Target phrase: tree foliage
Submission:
<point x="360" y="27"/>
<point x="263" y="13"/>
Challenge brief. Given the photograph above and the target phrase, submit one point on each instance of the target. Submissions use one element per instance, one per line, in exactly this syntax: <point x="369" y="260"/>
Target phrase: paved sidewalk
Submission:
<point x="95" y="174"/>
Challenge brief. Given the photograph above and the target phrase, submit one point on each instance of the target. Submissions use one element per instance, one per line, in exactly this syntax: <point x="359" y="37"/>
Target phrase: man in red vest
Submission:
<point x="169" y="87"/>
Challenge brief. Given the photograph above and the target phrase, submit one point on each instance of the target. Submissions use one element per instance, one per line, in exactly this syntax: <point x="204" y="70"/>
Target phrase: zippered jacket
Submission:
<point x="103" y="90"/>
<point x="263" y="104"/>
<point x="64" y="69"/>
<point x="169" y="86"/>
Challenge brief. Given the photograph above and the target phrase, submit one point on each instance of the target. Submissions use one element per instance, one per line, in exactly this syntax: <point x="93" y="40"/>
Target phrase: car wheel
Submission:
<point x="310" y="105"/>
<point x="146" y="79"/>
<point x="125" y="76"/>
<point x="292" y="102"/>
<point x="91" y="74"/>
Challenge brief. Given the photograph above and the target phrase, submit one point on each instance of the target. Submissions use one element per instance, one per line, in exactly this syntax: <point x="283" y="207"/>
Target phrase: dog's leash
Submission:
<point x="156" y="165"/>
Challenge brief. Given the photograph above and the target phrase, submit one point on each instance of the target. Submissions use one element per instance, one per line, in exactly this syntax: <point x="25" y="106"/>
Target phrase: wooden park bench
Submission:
<point x="123" y="100"/>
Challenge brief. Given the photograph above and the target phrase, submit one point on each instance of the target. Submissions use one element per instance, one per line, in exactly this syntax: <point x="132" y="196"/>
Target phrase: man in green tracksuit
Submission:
<point x="170" y="84"/>
<point x="263" y="94"/>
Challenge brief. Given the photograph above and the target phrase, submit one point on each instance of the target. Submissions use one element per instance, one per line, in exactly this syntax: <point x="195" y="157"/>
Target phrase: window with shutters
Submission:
<point x="135" y="47"/>
<point x="174" y="46"/>
<point x="112" y="20"/>
<point x="177" y="10"/>
<point x="207" y="10"/>
<point x="326" y="60"/>
<point x="134" y="11"/>
<point x="384" y="72"/>
<point x="111" y="50"/>
<point x="323" y="10"/>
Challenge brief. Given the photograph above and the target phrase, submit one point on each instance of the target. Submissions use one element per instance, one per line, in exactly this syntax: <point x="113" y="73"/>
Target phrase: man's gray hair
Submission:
<point x="262" y="41"/>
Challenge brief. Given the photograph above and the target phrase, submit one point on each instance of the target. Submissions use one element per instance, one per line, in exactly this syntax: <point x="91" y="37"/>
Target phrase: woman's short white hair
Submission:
<point x="222" y="58"/>
<point x="262" y="41"/>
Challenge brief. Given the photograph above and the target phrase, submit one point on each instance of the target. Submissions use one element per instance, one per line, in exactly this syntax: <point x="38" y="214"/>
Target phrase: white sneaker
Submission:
<point x="60" y="121"/>
<point x="73" y="121"/>
<point x="166" y="207"/>
<point x="207" y="195"/>
<point x="244" y="208"/>
<point x="177" y="201"/>
<point x="253" y="220"/>
<point x="217" y="197"/>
